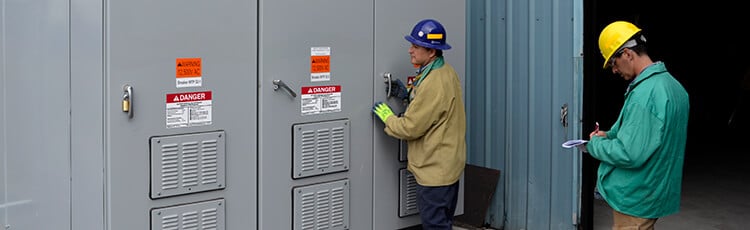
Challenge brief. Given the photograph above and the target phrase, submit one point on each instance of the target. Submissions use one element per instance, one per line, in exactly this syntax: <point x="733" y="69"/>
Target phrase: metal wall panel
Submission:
<point x="486" y="95"/>
<point x="87" y="113"/>
<point x="523" y="70"/>
<point x="34" y="115"/>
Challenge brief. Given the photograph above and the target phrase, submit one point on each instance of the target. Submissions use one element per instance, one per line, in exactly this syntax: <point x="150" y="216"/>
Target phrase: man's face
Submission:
<point x="420" y="55"/>
<point x="621" y="64"/>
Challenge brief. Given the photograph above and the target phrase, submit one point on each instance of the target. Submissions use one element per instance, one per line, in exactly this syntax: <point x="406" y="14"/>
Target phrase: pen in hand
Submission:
<point x="596" y="130"/>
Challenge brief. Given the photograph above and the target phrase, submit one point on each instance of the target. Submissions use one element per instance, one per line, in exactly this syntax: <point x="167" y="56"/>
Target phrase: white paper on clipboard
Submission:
<point x="581" y="144"/>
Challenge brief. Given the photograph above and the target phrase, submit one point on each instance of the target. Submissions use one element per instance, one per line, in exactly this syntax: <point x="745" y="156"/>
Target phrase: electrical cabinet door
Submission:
<point x="315" y="121"/>
<point x="180" y="118"/>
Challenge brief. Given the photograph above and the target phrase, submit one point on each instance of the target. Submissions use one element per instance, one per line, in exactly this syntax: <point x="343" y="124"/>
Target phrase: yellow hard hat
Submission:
<point x="613" y="36"/>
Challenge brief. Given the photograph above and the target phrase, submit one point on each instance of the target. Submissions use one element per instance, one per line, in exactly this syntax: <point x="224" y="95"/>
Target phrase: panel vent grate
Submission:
<point x="407" y="194"/>
<point x="321" y="148"/>
<point x="322" y="207"/>
<point x="207" y="215"/>
<point x="183" y="164"/>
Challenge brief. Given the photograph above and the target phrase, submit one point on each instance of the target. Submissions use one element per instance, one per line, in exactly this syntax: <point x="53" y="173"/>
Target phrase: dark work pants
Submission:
<point x="437" y="206"/>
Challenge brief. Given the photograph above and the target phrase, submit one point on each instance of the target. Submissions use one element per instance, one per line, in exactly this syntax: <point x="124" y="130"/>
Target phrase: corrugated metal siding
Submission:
<point x="523" y="66"/>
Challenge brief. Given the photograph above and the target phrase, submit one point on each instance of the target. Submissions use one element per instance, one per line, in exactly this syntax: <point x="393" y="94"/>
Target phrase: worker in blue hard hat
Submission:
<point x="433" y="125"/>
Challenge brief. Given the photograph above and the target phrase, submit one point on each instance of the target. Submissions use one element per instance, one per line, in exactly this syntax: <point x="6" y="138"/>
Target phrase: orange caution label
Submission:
<point x="188" y="67"/>
<point x="320" y="64"/>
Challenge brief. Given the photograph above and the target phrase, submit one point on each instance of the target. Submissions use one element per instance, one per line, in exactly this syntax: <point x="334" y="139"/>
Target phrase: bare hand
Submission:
<point x="597" y="133"/>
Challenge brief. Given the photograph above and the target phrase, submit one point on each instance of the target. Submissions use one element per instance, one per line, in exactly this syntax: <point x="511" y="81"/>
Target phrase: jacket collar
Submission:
<point x="651" y="70"/>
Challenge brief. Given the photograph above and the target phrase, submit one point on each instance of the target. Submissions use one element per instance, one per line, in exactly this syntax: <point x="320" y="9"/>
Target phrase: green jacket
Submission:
<point x="642" y="156"/>
<point x="434" y="126"/>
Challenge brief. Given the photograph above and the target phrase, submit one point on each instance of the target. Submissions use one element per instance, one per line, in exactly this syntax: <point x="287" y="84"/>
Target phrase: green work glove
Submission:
<point x="382" y="110"/>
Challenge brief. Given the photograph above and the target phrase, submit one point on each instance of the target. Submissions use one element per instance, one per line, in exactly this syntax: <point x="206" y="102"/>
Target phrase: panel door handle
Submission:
<point x="280" y="83"/>
<point x="388" y="77"/>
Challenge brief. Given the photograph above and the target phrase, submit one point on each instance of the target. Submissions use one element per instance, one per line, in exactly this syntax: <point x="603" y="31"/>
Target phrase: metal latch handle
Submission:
<point x="387" y="77"/>
<point x="564" y="115"/>
<point x="277" y="83"/>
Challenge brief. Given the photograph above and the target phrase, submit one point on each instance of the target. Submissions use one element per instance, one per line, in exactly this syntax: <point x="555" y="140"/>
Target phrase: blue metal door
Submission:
<point x="523" y="101"/>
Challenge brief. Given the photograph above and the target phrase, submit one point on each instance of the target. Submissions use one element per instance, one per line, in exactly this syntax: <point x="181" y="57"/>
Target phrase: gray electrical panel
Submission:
<point x="320" y="72"/>
<point x="315" y="124"/>
<point x="180" y="114"/>
<point x="219" y="114"/>
<point x="125" y="115"/>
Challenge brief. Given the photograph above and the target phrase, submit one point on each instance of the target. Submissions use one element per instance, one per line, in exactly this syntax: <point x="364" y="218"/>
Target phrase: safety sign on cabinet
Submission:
<point x="188" y="109"/>
<point x="321" y="99"/>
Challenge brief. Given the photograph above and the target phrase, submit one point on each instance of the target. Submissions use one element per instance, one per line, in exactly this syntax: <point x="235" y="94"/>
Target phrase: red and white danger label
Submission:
<point x="321" y="99"/>
<point x="188" y="109"/>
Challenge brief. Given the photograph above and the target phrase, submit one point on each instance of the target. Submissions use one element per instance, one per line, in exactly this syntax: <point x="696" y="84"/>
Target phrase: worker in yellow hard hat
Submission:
<point x="642" y="154"/>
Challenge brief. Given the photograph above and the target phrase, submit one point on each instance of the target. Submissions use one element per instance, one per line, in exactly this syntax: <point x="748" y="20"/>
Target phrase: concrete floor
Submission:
<point x="715" y="194"/>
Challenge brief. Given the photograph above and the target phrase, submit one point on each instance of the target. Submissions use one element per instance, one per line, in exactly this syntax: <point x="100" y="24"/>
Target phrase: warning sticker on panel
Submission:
<point x="188" y="72"/>
<point x="321" y="99"/>
<point x="320" y="64"/>
<point x="188" y="109"/>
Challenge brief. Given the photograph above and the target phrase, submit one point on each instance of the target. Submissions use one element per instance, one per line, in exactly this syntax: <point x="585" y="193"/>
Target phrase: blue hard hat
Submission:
<point x="428" y="33"/>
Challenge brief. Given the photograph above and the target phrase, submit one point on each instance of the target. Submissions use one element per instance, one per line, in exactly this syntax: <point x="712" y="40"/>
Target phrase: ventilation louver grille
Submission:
<point x="199" y="216"/>
<point x="321" y="148"/>
<point x="322" y="207"/>
<point x="185" y="164"/>
<point x="407" y="202"/>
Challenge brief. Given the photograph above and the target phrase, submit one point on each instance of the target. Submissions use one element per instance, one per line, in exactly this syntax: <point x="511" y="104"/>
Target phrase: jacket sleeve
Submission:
<point x="636" y="139"/>
<point x="422" y="113"/>
<point x="612" y="132"/>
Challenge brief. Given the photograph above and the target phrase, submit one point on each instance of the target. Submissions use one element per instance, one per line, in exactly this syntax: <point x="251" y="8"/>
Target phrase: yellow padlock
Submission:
<point x="125" y="105"/>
